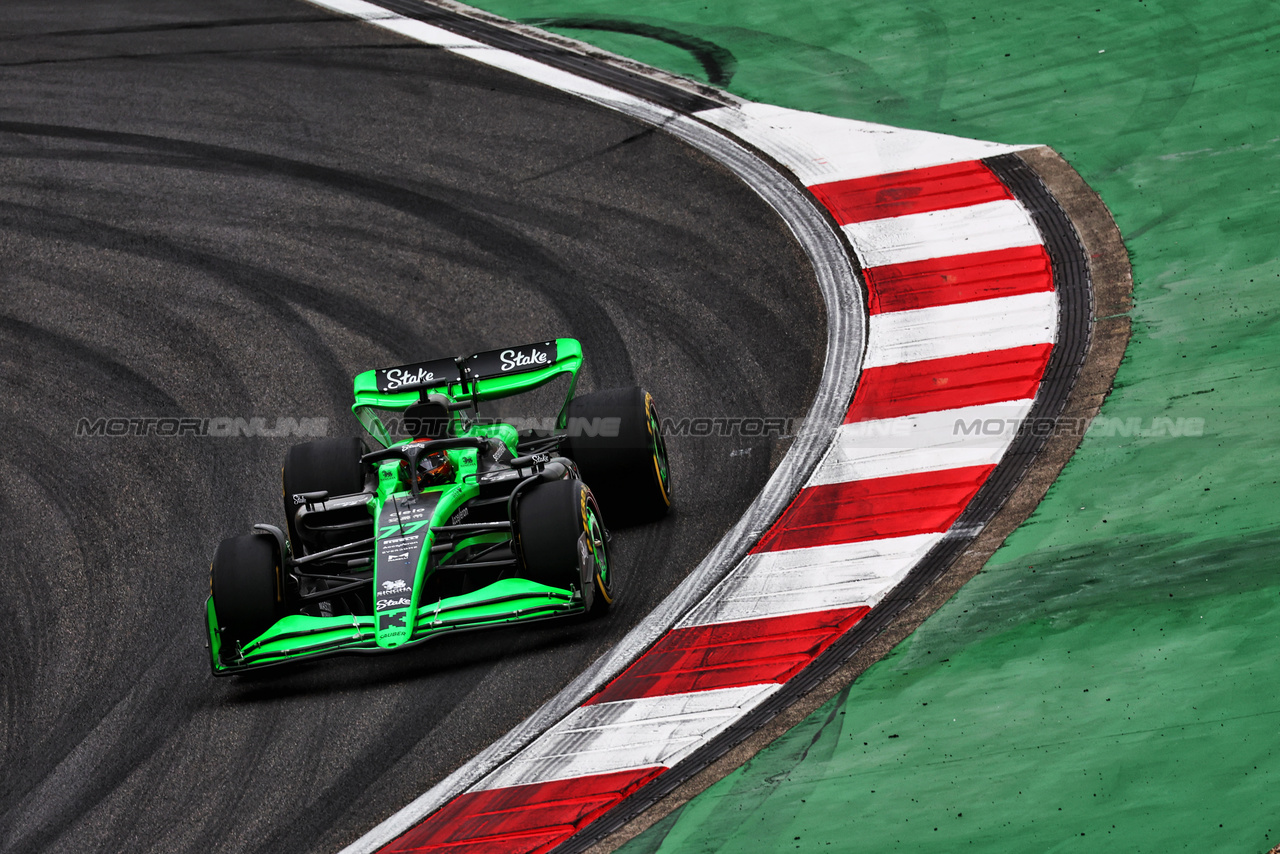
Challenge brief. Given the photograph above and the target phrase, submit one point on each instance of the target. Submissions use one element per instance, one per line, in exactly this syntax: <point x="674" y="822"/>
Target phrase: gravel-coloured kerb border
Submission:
<point x="996" y="286"/>
<point x="1111" y="284"/>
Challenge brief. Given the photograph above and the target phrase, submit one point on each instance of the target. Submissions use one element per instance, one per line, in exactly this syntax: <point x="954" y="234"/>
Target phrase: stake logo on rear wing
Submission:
<point x="383" y="395"/>
<point x="481" y="366"/>
<point x="436" y="372"/>
<point x="512" y="360"/>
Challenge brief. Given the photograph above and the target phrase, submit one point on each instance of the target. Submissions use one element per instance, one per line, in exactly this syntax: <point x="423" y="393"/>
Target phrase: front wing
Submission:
<point x="298" y="636"/>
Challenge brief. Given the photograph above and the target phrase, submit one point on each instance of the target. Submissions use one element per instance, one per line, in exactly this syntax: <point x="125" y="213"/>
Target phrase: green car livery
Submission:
<point x="464" y="523"/>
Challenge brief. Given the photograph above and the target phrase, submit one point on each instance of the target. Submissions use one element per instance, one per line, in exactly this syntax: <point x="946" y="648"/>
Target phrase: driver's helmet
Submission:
<point x="435" y="469"/>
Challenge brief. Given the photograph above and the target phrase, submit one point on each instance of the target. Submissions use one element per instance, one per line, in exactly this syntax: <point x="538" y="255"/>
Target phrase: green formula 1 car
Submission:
<point x="465" y="523"/>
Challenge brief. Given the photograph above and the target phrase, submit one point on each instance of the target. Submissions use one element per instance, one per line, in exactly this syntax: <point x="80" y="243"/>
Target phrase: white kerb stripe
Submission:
<point x="820" y="148"/>
<point x="959" y="330"/>
<point x="641" y="733"/>
<point x="928" y="441"/>
<point x="938" y="234"/>
<point x="519" y="65"/>
<point x="821" y="578"/>
<point x="832" y="274"/>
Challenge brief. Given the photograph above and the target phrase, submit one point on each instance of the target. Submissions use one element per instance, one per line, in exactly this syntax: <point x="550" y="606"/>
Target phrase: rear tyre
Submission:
<point x="628" y="471"/>
<point x="245" y="580"/>
<point x="331" y="465"/>
<point x="563" y="542"/>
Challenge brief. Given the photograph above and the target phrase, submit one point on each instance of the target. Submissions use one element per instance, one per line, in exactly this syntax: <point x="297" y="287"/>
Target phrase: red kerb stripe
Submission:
<point x="924" y="503"/>
<point x="934" y="188"/>
<point x="958" y="278"/>
<point x="520" y="819"/>
<point x="932" y="385"/>
<point x="730" y="655"/>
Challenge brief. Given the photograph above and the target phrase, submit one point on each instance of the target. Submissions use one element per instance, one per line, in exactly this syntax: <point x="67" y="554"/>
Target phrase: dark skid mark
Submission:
<point x="606" y="254"/>
<point x="138" y="696"/>
<point x="1073" y="286"/>
<point x="643" y="86"/>
<point x="111" y="373"/>
<point x="273" y="53"/>
<point x="459" y="655"/>
<point x="275" y="293"/>
<point x="466" y="224"/>
<point x="151" y="711"/>
<point x="179" y="26"/>
<point x="518" y="256"/>
<point x="717" y="62"/>
<point x="608" y="149"/>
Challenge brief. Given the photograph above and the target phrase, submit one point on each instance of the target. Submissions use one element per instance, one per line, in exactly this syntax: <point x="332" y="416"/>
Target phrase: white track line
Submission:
<point x="519" y="65"/>
<point x="846" y="313"/>
<point x="565" y="739"/>
<point x="819" y="149"/>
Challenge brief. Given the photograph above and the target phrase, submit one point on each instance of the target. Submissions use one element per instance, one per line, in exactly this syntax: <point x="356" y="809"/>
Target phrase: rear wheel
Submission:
<point x="563" y="541"/>
<point x="246" y="583"/>
<point x="331" y="465"/>
<point x="615" y="437"/>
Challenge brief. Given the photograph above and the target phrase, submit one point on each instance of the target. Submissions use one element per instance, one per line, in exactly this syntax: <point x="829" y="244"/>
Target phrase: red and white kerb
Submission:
<point x="962" y="319"/>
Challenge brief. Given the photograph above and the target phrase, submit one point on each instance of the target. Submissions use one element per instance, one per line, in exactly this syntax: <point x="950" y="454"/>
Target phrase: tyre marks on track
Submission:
<point x="186" y="235"/>
<point x="969" y="256"/>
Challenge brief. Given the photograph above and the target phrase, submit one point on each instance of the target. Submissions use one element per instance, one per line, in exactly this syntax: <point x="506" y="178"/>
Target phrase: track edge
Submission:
<point x="1111" y="290"/>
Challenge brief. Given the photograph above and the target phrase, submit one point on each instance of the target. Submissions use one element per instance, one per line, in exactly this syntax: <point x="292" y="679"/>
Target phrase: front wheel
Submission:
<point x="332" y="466"/>
<point x="562" y="541"/>
<point x="246" y="583"/>
<point x="615" y="437"/>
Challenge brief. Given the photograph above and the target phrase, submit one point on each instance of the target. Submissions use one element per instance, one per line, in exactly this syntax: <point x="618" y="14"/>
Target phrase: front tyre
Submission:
<point x="247" y="587"/>
<point x="562" y="541"/>
<point x="615" y="437"/>
<point x="332" y="466"/>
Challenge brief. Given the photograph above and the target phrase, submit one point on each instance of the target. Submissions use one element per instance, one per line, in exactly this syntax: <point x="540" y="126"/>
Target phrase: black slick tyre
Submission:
<point x="331" y="465"/>
<point x="246" y="583"/>
<point x="615" y="437"/>
<point x="563" y="542"/>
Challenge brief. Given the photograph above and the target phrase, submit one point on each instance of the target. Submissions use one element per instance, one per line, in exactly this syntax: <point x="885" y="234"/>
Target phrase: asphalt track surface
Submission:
<point x="227" y="210"/>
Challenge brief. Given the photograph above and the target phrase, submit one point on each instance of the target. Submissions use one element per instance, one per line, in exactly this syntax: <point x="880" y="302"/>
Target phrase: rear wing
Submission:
<point x="489" y="375"/>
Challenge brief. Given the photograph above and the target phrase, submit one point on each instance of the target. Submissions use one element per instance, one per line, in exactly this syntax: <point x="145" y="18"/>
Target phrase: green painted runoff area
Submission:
<point x="1111" y="680"/>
